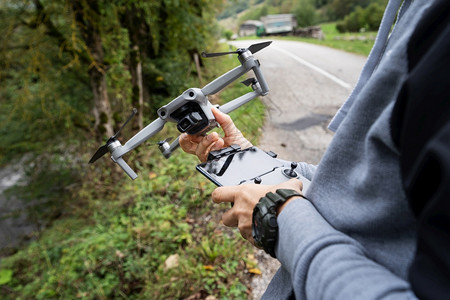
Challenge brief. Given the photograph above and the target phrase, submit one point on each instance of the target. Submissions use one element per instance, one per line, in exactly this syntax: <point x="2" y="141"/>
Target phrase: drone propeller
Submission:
<point x="164" y="141"/>
<point x="104" y="149"/>
<point x="253" y="49"/>
<point x="249" y="81"/>
<point x="256" y="47"/>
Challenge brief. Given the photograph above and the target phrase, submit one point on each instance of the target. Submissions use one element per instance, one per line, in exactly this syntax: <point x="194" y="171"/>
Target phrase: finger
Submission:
<point x="186" y="144"/>
<point x="229" y="218"/>
<point x="220" y="144"/>
<point x="204" y="147"/>
<point x="225" y="122"/>
<point x="252" y="241"/>
<point x="184" y="137"/>
<point x="245" y="230"/>
<point x="189" y="143"/>
<point x="224" y="194"/>
<point x="294" y="184"/>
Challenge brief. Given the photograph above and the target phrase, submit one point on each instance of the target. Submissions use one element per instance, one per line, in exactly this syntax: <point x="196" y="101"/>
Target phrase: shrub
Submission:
<point x="368" y="18"/>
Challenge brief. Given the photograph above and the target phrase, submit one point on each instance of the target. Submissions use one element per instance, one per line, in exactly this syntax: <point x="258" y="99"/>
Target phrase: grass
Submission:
<point x="158" y="237"/>
<point x="358" y="43"/>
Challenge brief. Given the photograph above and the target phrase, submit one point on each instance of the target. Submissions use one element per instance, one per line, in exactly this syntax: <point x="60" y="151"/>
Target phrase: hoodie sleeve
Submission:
<point x="324" y="263"/>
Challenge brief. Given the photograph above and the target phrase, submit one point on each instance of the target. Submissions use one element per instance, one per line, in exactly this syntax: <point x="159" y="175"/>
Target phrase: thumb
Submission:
<point x="225" y="122"/>
<point x="294" y="184"/>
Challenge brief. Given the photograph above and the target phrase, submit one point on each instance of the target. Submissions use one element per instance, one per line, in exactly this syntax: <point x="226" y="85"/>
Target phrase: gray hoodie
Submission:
<point x="355" y="238"/>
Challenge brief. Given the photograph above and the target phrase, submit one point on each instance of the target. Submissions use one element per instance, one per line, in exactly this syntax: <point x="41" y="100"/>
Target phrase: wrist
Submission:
<point x="264" y="218"/>
<point x="280" y="209"/>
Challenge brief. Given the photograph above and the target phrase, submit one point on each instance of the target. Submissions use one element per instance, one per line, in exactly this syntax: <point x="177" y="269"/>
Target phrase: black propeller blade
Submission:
<point x="249" y="81"/>
<point x="133" y="113"/>
<point x="100" y="152"/>
<point x="204" y="54"/>
<point x="104" y="149"/>
<point x="253" y="49"/>
<point x="256" y="47"/>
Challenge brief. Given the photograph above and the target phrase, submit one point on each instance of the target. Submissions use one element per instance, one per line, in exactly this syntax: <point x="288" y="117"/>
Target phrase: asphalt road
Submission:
<point x="308" y="84"/>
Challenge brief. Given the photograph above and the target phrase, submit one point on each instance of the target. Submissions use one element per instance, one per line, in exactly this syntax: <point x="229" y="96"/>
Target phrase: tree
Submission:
<point x="338" y="9"/>
<point x="305" y="13"/>
<point x="368" y="18"/>
<point x="62" y="59"/>
<point x="86" y="14"/>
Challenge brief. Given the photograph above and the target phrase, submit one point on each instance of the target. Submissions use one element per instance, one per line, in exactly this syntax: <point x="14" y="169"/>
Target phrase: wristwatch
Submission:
<point x="264" y="222"/>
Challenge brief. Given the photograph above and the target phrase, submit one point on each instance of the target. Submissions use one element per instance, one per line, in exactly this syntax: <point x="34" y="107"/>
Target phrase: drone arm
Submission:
<point x="238" y="102"/>
<point x="146" y="133"/>
<point x="140" y="137"/>
<point x="224" y="80"/>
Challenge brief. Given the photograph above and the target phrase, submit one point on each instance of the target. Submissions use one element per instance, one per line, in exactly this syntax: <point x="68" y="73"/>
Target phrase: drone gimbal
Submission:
<point x="192" y="109"/>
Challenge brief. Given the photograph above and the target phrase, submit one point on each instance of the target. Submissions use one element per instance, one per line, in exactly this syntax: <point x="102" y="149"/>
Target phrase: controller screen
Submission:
<point x="240" y="167"/>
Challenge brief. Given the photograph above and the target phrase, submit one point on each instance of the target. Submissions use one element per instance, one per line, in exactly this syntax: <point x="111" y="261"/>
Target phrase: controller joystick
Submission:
<point x="290" y="172"/>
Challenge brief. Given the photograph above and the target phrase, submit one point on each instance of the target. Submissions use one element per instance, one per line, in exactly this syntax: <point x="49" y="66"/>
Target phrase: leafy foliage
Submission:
<point x="359" y="42"/>
<point x="311" y="12"/>
<point x="60" y="59"/>
<point x="368" y="19"/>
<point x="116" y="236"/>
<point x="305" y="13"/>
<point x="233" y="8"/>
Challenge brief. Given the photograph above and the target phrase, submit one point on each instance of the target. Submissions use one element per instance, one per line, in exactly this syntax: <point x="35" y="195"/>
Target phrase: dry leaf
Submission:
<point x="255" y="271"/>
<point x="119" y="254"/>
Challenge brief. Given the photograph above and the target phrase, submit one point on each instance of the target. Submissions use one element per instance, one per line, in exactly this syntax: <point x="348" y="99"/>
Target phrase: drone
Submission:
<point x="191" y="110"/>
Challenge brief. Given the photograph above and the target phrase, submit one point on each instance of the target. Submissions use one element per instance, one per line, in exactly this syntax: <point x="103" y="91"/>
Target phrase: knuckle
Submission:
<point x="227" y="118"/>
<point x="243" y="229"/>
<point x="228" y="221"/>
<point x="216" y="195"/>
<point x="239" y="211"/>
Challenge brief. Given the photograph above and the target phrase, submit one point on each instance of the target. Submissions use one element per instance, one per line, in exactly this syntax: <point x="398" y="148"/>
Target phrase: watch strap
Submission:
<point x="264" y="223"/>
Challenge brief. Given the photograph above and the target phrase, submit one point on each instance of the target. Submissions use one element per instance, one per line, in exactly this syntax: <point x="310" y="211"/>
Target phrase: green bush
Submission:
<point x="368" y="19"/>
<point x="305" y="13"/>
<point x="116" y="235"/>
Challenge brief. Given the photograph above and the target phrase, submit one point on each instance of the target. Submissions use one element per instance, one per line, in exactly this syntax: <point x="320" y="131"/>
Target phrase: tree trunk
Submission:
<point x="137" y="84"/>
<point x="102" y="107"/>
<point x="97" y="73"/>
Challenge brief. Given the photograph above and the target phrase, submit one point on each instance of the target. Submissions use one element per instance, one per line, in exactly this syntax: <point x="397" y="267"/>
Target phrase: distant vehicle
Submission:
<point x="250" y="27"/>
<point x="279" y="24"/>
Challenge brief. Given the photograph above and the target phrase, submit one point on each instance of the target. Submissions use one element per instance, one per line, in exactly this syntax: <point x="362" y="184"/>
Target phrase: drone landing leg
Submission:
<point x="125" y="167"/>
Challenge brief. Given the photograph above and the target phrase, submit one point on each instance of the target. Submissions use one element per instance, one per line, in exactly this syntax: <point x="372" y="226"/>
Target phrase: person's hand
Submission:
<point x="202" y="145"/>
<point x="245" y="197"/>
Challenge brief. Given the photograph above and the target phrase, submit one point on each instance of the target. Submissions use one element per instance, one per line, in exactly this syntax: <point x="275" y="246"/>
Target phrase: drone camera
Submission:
<point x="189" y="122"/>
<point x="190" y="118"/>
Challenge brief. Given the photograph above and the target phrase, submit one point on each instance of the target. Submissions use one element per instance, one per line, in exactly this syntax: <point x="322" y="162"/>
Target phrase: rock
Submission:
<point x="171" y="262"/>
